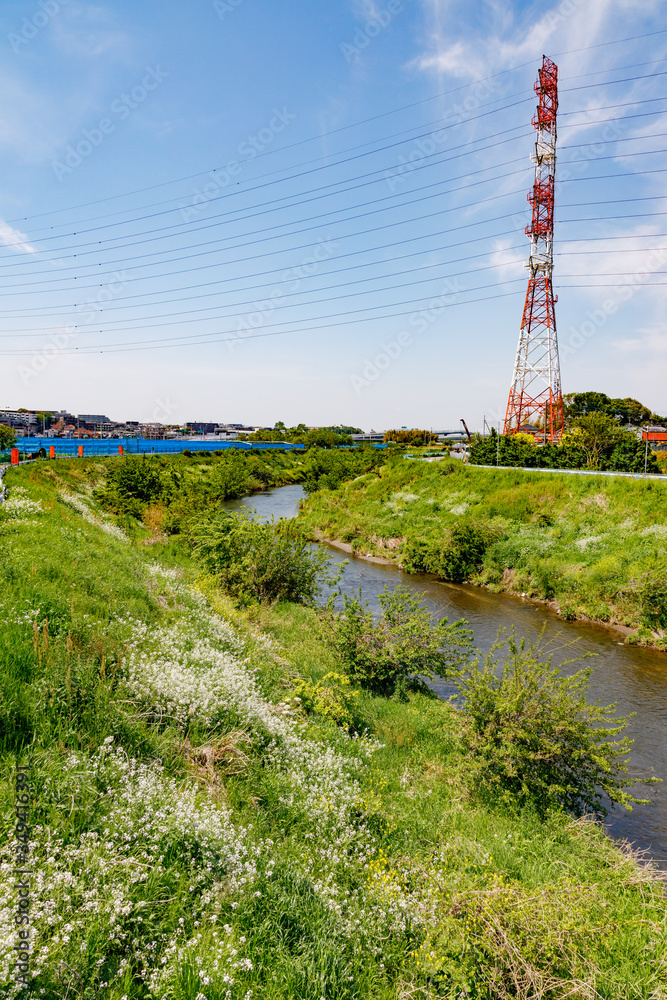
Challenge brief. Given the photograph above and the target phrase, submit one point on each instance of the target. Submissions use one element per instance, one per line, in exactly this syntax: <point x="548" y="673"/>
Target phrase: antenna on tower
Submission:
<point x="535" y="404"/>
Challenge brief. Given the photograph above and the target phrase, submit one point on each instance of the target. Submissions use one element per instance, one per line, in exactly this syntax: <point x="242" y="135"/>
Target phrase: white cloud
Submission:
<point x="367" y="10"/>
<point x="511" y="36"/>
<point x="14" y="238"/>
<point x="509" y="262"/>
<point x="88" y="31"/>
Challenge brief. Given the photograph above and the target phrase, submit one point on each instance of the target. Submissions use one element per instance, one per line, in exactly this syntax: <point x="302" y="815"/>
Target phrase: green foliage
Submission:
<point x="456" y="556"/>
<point x="229" y="477"/>
<point x="316" y="437"/>
<point x="625" y="411"/>
<point x="325" y="469"/>
<point x="7" y="437"/>
<point x="465" y="552"/>
<point x="331" y="697"/>
<point x="593" y="441"/>
<point x="261" y="852"/>
<point x="596" y="434"/>
<point x="412" y="437"/>
<point x="584" y="542"/>
<point x="259" y="562"/>
<point x="382" y="655"/>
<point x="188" y="485"/>
<point x="653" y="597"/>
<point x="535" y="740"/>
<point x="135" y="482"/>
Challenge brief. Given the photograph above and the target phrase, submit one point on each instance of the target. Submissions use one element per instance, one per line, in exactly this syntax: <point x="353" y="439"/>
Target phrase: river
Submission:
<point x="633" y="677"/>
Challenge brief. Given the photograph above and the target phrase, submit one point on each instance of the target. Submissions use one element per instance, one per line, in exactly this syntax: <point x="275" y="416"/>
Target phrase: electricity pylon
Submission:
<point x="535" y="403"/>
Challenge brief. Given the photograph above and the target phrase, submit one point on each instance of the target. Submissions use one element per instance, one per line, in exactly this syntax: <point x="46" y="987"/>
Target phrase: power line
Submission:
<point x="273" y="206"/>
<point x="87" y="253"/>
<point x="344" y="128"/>
<point x="164" y="342"/>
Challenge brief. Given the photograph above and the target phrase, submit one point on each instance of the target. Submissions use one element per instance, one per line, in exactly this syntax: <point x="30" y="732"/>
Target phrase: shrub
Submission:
<point x="534" y="739"/>
<point x="135" y="482"/>
<point x="653" y="597"/>
<point x="464" y="554"/>
<point x="260" y="561"/>
<point x="331" y="697"/>
<point x="229" y="478"/>
<point x="381" y="655"/>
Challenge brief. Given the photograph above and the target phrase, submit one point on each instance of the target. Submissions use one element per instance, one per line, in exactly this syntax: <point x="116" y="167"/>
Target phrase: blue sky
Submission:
<point x="255" y="211"/>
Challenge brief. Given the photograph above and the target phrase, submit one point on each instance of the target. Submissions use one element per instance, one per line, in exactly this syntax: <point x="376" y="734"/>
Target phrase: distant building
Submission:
<point x="375" y="437"/>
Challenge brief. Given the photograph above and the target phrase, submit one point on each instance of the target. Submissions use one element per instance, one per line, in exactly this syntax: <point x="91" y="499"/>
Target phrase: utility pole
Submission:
<point x="646" y="452"/>
<point x="535" y="396"/>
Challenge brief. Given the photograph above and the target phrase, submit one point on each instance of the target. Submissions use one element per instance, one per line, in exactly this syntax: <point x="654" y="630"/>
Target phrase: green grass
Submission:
<point x="223" y="844"/>
<point x="587" y="545"/>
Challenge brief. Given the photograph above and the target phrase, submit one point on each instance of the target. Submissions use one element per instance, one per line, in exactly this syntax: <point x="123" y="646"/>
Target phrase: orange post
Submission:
<point x="15" y="456"/>
<point x="120" y="449"/>
<point x="80" y="451"/>
<point x="52" y="451"/>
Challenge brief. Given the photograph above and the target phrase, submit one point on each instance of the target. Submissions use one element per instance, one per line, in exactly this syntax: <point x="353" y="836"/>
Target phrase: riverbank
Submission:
<point x="589" y="548"/>
<point x="233" y="840"/>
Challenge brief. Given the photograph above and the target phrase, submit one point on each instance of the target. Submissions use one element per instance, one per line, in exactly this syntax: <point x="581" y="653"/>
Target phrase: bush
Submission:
<point x="464" y="554"/>
<point x="653" y="597"/>
<point x="381" y="655"/>
<point x="260" y="561"/>
<point x="229" y="478"/>
<point x="135" y="482"/>
<point x="331" y="697"/>
<point x="455" y="558"/>
<point x="533" y="738"/>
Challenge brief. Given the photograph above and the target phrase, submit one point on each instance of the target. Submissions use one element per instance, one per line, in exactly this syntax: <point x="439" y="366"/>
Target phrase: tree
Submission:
<point x="534" y="739"/>
<point x="44" y="419"/>
<point x="412" y="437"/>
<point x="595" y="433"/>
<point x="260" y="562"/>
<point x="7" y="438"/>
<point x="631" y="411"/>
<point x="578" y="404"/>
<point x="624" y="411"/>
<point x="403" y="643"/>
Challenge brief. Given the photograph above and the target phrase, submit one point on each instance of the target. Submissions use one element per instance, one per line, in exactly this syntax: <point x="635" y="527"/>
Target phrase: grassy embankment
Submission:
<point x="196" y="837"/>
<point x="592" y="547"/>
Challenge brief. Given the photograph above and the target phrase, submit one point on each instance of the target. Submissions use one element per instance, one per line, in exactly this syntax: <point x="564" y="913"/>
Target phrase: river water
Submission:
<point x="634" y="678"/>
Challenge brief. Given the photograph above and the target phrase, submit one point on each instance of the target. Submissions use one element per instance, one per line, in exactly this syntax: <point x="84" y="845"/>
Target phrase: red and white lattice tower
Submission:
<point x="535" y="403"/>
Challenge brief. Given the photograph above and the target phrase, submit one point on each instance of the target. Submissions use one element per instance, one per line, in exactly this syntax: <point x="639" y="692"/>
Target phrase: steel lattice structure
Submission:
<point x="535" y="403"/>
